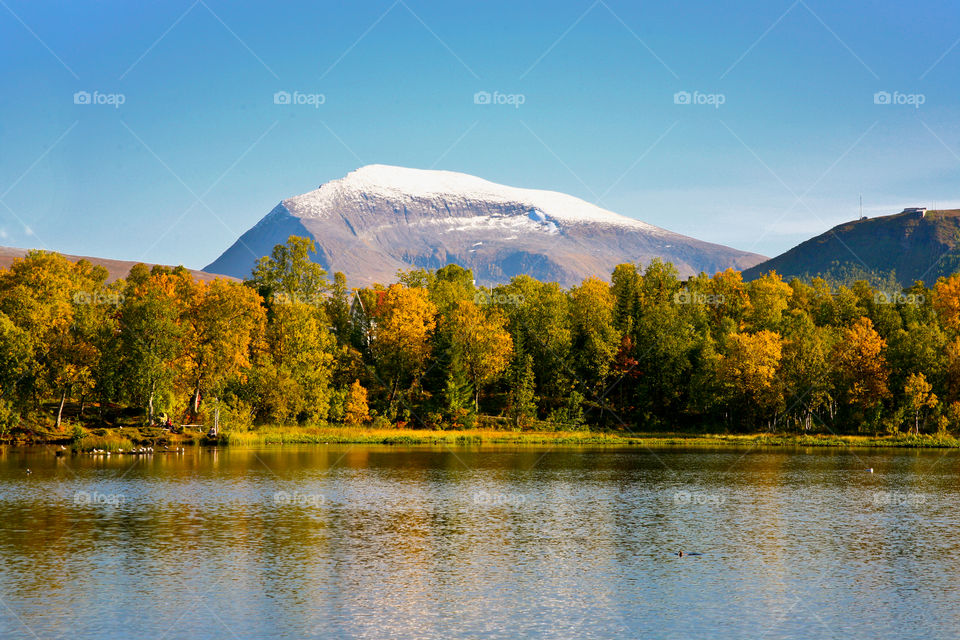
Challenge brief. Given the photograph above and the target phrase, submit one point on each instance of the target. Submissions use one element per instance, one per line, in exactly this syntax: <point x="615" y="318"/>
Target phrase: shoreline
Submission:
<point x="114" y="440"/>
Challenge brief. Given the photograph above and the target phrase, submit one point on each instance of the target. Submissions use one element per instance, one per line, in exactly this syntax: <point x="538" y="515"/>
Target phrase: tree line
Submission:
<point x="644" y="351"/>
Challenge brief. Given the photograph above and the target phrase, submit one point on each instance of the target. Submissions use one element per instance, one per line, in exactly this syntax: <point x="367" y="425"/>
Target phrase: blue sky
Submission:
<point x="198" y="151"/>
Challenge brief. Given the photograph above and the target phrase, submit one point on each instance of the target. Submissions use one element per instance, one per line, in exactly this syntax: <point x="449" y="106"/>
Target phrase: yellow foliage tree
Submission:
<point x="946" y="301"/>
<point x="920" y="396"/>
<point x="356" y="410"/>
<point x="749" y="369"/>
<point x="404" y="319"/>
<point x="221" y="320"/>
<point x="727" y="290"/>
<point x="769" y="297"/>
<point x="861" y="366"/>
<point x="481" y="344"/>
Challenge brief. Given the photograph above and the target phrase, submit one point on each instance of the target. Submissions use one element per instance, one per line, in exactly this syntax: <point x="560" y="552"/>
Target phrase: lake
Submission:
<point x="345" y="541"/>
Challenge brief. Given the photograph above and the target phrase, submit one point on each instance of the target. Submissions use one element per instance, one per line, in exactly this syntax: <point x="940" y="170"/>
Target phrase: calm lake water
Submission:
<point x="433" y="542"/>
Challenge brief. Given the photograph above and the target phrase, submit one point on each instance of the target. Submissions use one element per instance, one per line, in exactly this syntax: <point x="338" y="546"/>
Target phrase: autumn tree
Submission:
<point x="15" y="362"/>
<point x="595" y="339"/>
<point x="805" y="367"/>
<point x="289" y="274"/>
<point x="769" y="298"/>
<point x="57" y="303"/>
<point x="150" y="331"/>
<point x="220" y="320"/>
<point x="481" y="344"/>
<point x="356" y="410"/>
<point x="404" y="319"/>
<point x="860" y="367"/>
<point x="729" y="297"/>
<point x="294" y="372"/>
<point x="749" y="369"/>
<point x="919" y="396"/>
<point x="539" y="319"/>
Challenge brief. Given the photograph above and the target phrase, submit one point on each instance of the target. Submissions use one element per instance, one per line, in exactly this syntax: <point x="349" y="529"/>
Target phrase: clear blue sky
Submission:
<point x="797" y="138"/>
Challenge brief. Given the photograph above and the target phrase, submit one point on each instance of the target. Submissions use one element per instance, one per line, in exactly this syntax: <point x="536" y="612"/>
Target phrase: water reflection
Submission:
<point x="362" y="541"/>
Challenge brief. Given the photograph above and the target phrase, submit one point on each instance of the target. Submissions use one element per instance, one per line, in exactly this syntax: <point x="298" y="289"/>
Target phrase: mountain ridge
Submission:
<point x="380" y="219"/>
<point x="115" y="268"/>
<point x="915" y="245"/>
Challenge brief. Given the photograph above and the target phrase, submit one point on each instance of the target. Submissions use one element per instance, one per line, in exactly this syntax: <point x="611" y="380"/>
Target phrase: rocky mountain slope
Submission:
<point x="379" y="219"/>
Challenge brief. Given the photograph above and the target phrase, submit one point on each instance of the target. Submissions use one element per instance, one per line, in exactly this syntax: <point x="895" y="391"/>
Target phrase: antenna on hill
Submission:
<point x="861" y="206"/>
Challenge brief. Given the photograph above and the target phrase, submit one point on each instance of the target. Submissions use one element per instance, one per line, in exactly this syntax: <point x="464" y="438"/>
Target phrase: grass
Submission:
<point x="107" y="442"/>
<point x="360" y="435"/>
<point x="111" y="439"/>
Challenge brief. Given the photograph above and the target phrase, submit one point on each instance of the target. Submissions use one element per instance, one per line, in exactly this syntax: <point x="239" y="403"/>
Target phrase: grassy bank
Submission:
<point x="112" y="439"/>
<point x="357" y="435"/>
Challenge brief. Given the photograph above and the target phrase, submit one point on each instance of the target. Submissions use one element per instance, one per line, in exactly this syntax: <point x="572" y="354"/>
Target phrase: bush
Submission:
<point x="9" y="417"/>
<point x="381" y="422"/>
<point x="77" y="434"/>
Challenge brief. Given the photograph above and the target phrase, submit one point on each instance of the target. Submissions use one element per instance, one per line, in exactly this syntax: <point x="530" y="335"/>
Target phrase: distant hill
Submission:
<point x="380" y="219"/>
<point x="116" y="268"/>
<point x="911" y="245"/>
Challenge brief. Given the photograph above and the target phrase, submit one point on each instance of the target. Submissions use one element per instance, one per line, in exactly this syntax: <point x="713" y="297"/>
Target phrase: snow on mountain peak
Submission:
<point x="401" y="184"/>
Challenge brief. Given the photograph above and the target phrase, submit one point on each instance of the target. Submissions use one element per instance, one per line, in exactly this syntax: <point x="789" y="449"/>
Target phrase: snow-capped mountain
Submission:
<point x="379" y="219"/>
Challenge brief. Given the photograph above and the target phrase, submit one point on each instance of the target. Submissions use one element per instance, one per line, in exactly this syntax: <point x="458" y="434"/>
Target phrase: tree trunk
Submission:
<point x="196" y="400"/>
<point x="153" y="387"/>
<point x="63" y="400"/>
<point x="393" y="393"/>
<point x="80" y="416"/>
